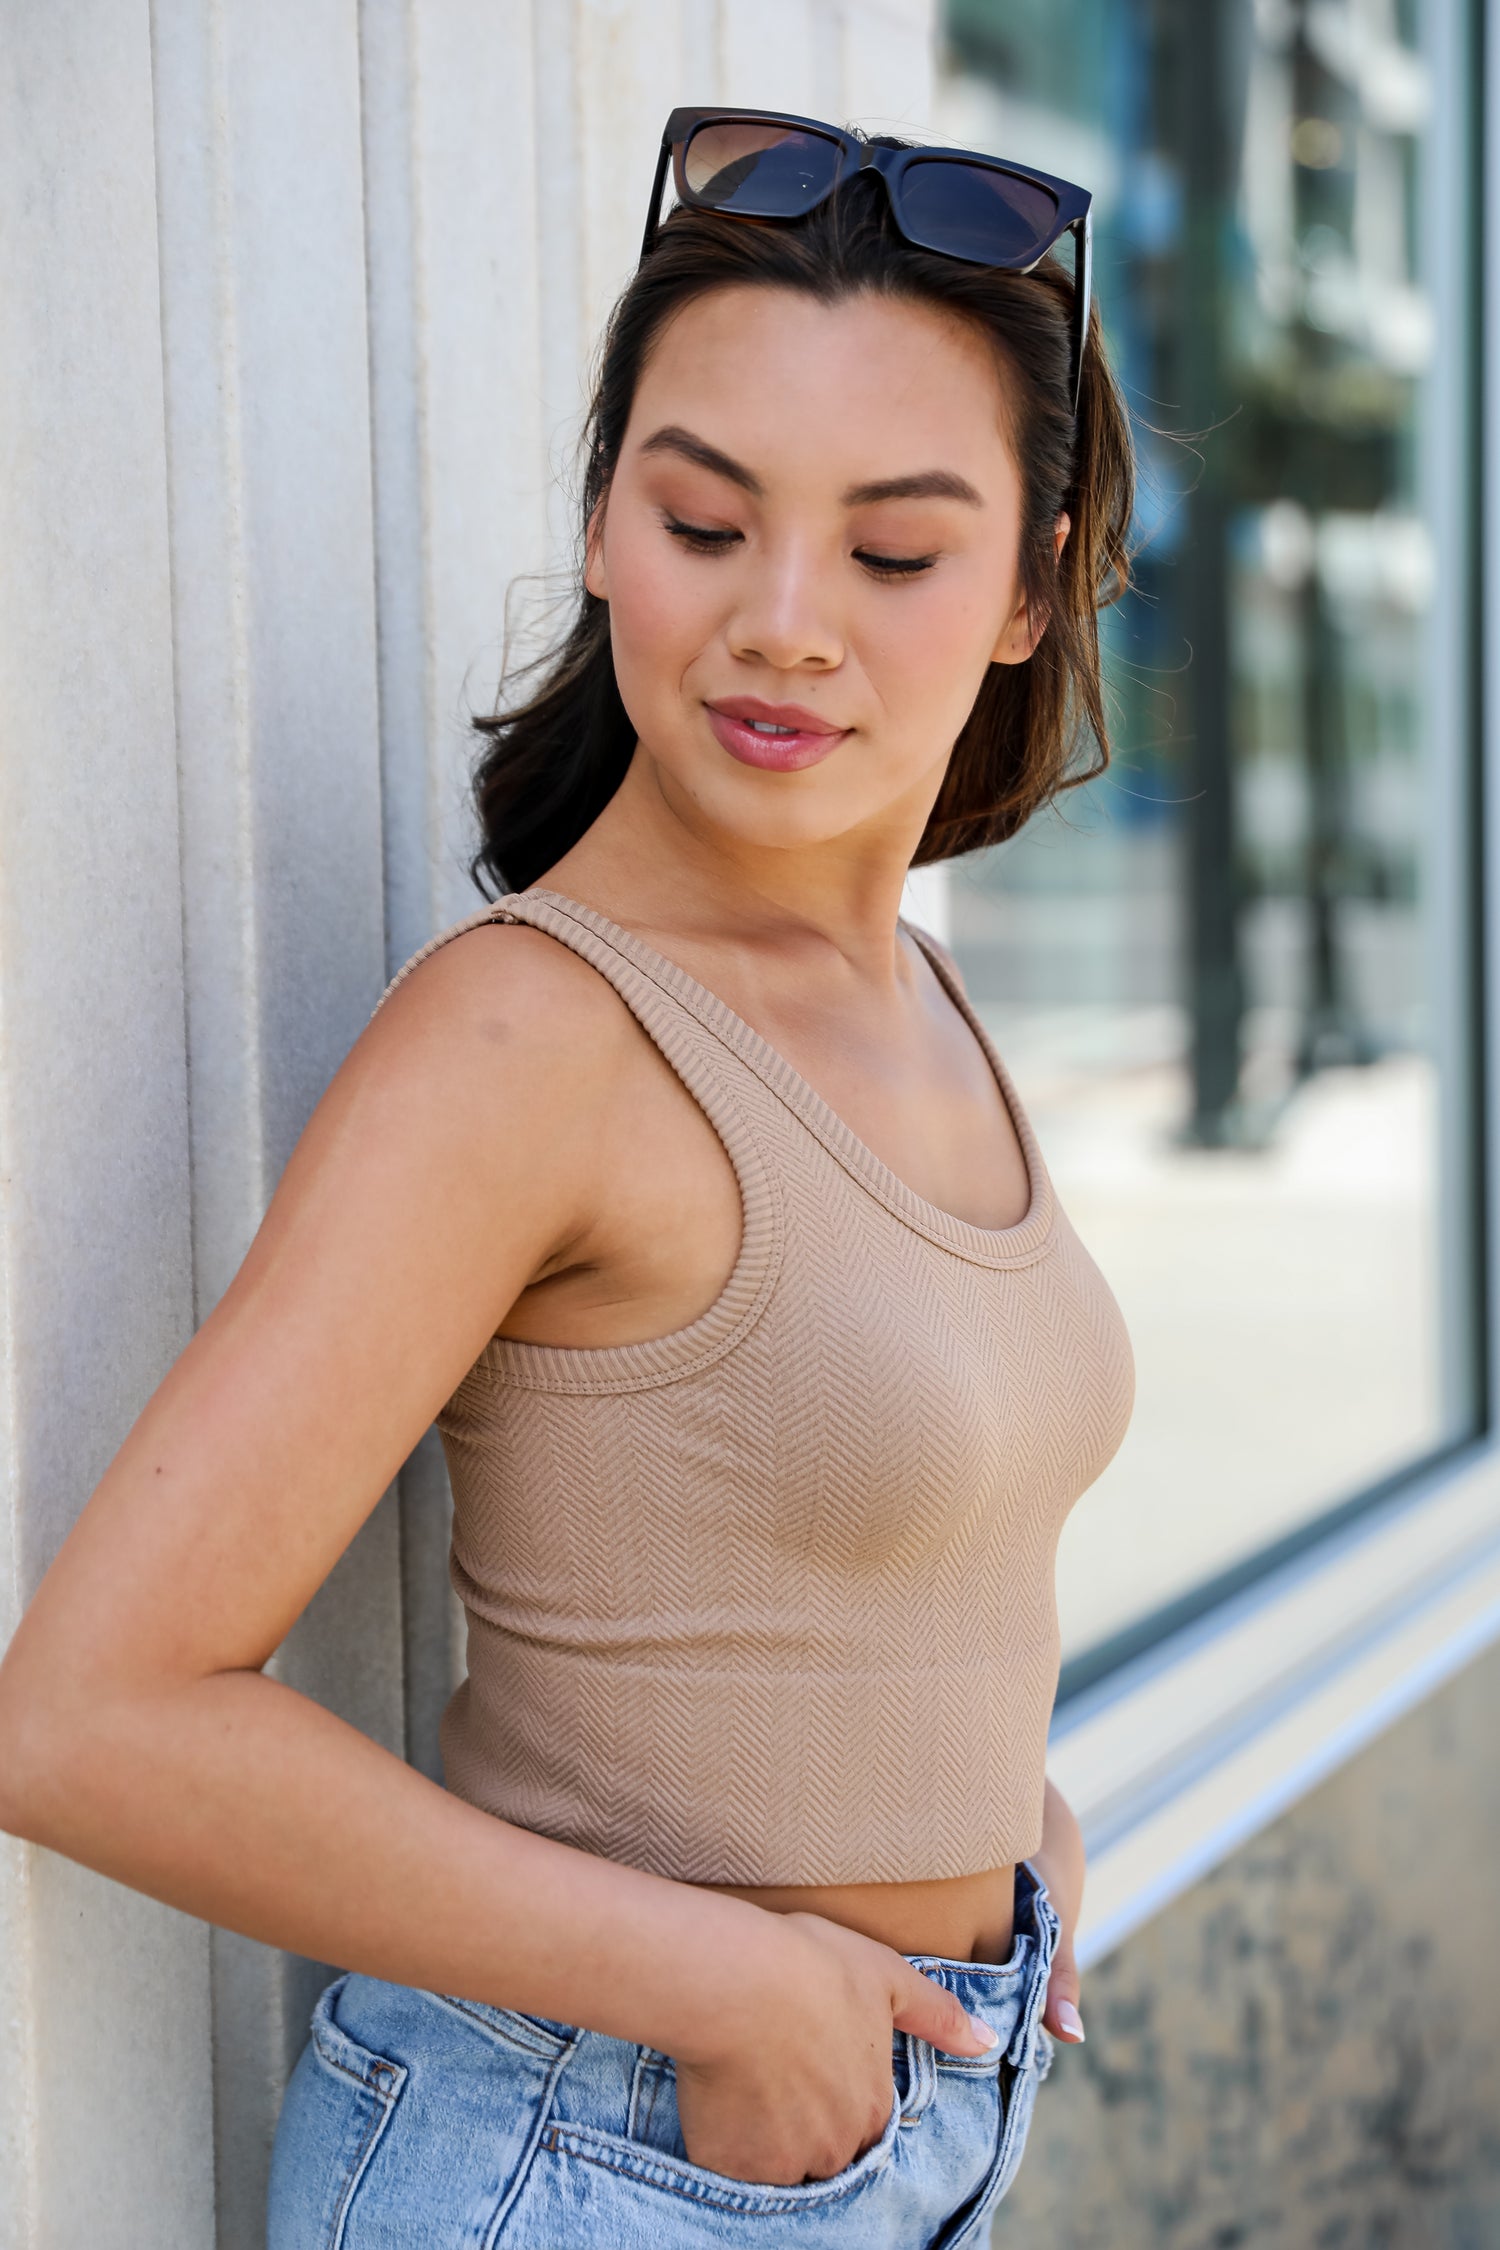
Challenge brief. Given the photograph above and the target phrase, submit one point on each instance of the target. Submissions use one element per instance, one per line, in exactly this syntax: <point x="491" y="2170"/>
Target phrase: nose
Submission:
<point x="785" y="614"/>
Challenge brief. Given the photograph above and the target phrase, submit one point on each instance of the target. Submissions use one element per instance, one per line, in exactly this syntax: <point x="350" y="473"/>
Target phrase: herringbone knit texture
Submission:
<point x="770" y="1599"/>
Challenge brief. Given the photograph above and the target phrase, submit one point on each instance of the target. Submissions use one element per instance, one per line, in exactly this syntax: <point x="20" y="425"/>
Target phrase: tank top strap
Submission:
<point x="722" y="1089"/>
<point x="668" y="1004"/>
<point x="475" y="921"/>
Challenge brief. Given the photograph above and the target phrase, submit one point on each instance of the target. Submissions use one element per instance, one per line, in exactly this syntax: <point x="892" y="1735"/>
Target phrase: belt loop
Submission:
<point x="921" y="2078"/>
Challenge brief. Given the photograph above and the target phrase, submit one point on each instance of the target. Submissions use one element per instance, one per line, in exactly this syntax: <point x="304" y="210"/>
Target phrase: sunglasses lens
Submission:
<point x="758" y="171"/>
<point x="967" y="211"/>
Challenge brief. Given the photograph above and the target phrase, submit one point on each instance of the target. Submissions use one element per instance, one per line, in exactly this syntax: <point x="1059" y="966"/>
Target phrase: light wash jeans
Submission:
<point x="418" y="2122"/>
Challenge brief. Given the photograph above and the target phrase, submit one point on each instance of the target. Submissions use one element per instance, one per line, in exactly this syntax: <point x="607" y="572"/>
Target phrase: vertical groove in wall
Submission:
<point x="19" y="2212"/>
<point x="388" y="95"/>
<point x="386" y="36"/>
<point x="253" y="1107"/>
<point x="559" y="351"/>
<point x="207" y="1285"/>
<point x="18" y="2154"/>
<point x="216" y="828"/>
<point x="419" y="313"/>
<point x="18" y="1997"/>
<point x="173" y="591"/>
<point x="203" y="416"/>
<point x="18" y="2074"/>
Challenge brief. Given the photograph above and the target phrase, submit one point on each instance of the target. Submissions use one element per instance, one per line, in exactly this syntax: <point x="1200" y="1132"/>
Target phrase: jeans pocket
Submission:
<point x="653" y="2156"/>
<point x="338" y="2105"/>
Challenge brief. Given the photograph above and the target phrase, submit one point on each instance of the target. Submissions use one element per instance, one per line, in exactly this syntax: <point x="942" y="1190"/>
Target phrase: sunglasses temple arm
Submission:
<point x="1083" y="261"/>
<point x="653" y="215"/>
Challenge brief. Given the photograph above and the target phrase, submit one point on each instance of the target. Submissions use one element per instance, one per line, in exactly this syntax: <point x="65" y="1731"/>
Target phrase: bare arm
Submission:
<point x="448" y="1166"/>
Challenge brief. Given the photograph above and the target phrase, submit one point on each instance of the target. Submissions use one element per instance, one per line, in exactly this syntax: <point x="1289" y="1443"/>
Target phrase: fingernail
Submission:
<point x="1069" y="2020"/>
<point x="982" y="2032"/>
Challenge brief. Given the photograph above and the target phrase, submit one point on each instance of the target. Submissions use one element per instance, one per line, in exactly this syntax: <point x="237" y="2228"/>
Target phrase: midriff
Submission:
<point x="962" y="1918"/>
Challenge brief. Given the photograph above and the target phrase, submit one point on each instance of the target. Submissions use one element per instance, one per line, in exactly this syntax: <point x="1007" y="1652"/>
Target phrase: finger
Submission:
<point x="925" y="2009"/>
<point x="1061" y="2012"/>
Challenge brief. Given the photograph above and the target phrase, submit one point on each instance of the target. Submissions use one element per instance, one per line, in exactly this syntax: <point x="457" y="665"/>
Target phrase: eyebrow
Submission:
<point x="672" y="439"/>
<point x="926" y="484"/>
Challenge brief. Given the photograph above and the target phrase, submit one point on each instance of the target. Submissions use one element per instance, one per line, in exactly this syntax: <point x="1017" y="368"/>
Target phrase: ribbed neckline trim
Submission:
<point x="1016" y="1245"/>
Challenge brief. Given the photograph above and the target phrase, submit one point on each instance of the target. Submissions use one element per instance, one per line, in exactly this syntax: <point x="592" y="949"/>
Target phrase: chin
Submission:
<point x="766" y="816"/>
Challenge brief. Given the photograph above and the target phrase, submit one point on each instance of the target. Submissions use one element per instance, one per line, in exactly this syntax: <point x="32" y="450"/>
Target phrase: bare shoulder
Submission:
<point x="480" y="1086"/>
<point x="503" y="1018"/>
<point x="505" y="990"/>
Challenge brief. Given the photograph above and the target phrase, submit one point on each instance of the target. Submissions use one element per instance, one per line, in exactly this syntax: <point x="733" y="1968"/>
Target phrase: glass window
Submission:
<point x="1234" y="977"/>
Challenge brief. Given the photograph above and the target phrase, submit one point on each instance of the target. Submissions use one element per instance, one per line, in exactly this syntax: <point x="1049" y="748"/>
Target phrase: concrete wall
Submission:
<point x="1303" y="2053"/>
<point x="296" y="302"/>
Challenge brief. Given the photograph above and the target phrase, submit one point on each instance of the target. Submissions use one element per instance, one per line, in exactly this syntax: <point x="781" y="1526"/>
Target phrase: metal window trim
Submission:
<point x="1184" y="1755"/>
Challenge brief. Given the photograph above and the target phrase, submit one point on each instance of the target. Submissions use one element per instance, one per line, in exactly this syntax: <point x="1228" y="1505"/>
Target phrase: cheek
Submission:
<point x="931" y="644"/>
<point x="660" y="610"/>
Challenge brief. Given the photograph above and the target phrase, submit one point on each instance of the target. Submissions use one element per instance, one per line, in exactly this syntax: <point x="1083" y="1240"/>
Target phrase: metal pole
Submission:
<point x="1214" y="976"/>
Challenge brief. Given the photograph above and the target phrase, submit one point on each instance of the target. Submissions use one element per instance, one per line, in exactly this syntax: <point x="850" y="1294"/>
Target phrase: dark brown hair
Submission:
<point x="551" y="762"/>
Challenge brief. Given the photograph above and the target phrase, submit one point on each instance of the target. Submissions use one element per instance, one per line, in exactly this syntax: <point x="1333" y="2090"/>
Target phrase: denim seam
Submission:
<point x="525" y="2037"/>
<point x="367" y="2083"/>
<point x="1014" y="2067"/>
<point x="385" y="2102"/>
<point x="528" y="2155"/>
<point x="566" y="2141"/>
<point x="960" y="2225"/>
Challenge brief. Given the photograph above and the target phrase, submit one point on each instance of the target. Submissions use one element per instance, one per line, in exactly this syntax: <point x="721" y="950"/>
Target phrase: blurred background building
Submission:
<point x="298" y="306"/>
<point x="1256" y="936"/>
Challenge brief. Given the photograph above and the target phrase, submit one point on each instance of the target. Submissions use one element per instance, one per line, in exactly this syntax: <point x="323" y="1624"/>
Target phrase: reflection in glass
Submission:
<point x="1232" y="978"/>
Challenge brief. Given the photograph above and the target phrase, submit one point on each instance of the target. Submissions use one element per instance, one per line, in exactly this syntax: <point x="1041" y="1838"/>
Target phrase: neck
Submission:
<point x="651" y="862"/>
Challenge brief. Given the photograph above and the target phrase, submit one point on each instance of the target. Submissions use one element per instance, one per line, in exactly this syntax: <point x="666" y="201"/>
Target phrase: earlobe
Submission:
<point x="594" y="578"/>
<point x="1018" y="640"/>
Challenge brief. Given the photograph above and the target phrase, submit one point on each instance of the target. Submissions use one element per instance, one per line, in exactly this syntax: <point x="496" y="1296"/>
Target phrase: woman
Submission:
<point x="682" y="1186"/>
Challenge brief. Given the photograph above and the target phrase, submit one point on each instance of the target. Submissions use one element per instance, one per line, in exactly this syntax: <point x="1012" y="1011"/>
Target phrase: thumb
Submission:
<point x="929" y="2012"/>
<point x="1061" y="2012"/>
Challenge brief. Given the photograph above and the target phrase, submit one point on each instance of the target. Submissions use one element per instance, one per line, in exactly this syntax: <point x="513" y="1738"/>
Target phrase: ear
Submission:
<point x="593" y="554"/>
<point x="1025" y="626"/>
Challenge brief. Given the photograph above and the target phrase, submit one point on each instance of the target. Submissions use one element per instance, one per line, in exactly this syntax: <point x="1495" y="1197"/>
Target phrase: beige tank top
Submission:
<point x="770" y="1599"/>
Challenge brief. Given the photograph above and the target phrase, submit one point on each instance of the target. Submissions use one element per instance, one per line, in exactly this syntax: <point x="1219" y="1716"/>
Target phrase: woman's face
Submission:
<point x="813" y="528"/>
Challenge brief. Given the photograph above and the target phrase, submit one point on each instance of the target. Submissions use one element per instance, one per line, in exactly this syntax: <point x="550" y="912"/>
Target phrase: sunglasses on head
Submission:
<point x="759" y="164"/>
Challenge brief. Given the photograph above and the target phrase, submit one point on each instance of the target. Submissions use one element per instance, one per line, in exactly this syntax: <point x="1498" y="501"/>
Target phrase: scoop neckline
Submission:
<point x="1000" y="1246"/>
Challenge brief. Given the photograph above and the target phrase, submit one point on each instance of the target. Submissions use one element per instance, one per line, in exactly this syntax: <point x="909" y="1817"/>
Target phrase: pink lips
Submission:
<point x="801" y="737"/>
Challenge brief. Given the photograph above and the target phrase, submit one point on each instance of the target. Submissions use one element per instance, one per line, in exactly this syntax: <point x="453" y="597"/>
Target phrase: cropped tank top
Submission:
<point x="770" y="1600"/>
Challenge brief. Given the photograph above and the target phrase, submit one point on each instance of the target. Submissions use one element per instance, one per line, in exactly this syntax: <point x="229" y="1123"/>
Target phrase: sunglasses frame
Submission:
<point x="1074" y="204"/>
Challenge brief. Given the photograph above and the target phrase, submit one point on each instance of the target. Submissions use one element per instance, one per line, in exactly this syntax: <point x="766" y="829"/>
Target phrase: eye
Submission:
<point x="893" y="566"/>
<point x="703" y="539"/>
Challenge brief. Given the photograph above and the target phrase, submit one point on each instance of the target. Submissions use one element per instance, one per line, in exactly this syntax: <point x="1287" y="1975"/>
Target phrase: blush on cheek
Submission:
<point x="658" y="600"/>
<point x="928" y="665"/>
<point x="654" y="646"/>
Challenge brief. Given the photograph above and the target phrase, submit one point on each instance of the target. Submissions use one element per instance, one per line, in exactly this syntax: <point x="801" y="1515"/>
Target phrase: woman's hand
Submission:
<point x="802" y="2086"/>
<point x="1060" y="1863"/>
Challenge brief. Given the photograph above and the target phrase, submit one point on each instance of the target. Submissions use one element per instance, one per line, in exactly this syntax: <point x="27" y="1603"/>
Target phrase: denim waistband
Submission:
<point x="1009" y="1995"/>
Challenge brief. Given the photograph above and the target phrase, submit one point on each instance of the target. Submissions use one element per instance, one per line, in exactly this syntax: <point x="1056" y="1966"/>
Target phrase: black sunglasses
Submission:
<point x="759" y="164"/>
